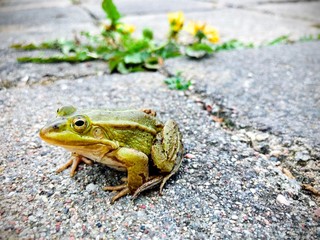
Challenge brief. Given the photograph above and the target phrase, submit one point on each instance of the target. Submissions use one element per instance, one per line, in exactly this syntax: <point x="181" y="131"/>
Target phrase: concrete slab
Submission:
<point x="14" y="5"/>
<point x="40" y="24"/>
<point x="246" y="3"/>
<point x="224" y="189"/>
<point x="245" y="25"/>
<point x="147" y="7"/>
<point x="273" y="91"/>
<point x="14" y="74"/>
<point x="299" y="10"/>
<point x="275" y="87"/>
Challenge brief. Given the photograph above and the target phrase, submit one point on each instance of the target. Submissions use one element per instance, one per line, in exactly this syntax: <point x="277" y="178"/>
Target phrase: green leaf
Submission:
<point x="111" y="11"/>
<point x="168" y="50"/>
<point x="134" y="58"/>
<point x="113" y="63"/>
<point x="198" y="50"/>
<point x="232" y="44"/>
<point x="67" y="46"/>
<point x="31" y="46"/>
<point x="55" y="59"/>
<point x="281" y="39"/>
<point x="152" y="63"/>
<point x="122" y="68"/>
<point x="147" y="34"/>
<point x="177" y="82"/>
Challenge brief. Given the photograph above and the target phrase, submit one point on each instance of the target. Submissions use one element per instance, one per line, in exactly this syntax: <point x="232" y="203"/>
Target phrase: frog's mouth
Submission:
<point x="71" y="141"/>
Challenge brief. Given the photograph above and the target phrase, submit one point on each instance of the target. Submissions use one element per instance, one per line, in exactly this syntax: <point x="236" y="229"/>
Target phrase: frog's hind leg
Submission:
<point x="167" y="152"/>
<point x="74" y="161"/>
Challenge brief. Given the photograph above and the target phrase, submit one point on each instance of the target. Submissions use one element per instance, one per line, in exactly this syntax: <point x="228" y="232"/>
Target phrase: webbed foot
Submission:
<point x="74" y="161"/>
<point x="122" y="190"/>
<point x="153" y="181"/>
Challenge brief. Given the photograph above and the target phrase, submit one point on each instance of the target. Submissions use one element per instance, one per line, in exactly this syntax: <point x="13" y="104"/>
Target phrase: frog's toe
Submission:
<point x="115" y="188"/>
<point x="74" y="161"/>
<point x="120" y="194"/>
<point x="122" y="190"/>
<point x="151" y="183"/>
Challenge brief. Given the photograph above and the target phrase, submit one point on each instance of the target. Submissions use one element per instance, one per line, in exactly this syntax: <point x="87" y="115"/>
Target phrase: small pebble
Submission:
<point x="282" y="200"/>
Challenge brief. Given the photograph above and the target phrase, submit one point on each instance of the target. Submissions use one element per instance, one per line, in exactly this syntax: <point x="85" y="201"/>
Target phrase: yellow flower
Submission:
<point x="200" y="30"/>
<point x="195" y="27"/>
<point x="176" y="20"/>
<point x="212" y="34"/>
<point x="125" y="28"/>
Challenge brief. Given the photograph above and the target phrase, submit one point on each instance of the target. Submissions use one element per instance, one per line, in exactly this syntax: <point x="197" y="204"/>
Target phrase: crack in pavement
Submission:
<point x="295" y="158"/>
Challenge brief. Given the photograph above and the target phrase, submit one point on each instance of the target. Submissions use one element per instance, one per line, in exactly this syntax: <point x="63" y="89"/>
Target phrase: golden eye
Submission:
<point x="79" y="123"/>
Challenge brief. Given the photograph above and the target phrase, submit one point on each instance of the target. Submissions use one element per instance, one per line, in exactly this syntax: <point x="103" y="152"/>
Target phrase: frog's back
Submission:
<point x="125" y="115"/>
<point x="131" y="128"/>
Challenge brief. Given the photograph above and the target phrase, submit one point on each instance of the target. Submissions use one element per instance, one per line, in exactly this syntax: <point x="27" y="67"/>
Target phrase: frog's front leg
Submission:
<point x="136" y="163"/>
<point x="74" y="161"/>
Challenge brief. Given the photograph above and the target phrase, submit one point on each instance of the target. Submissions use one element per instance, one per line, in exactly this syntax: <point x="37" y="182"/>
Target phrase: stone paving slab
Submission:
<point x="37" y="23"/>
<point x="224" y="189"/>
<point x="308" y="11"/>
<point x="14" y="74"/>
<point x="244" y="3"/>
<point x="242" y="24"/>
<point x="13" y="5"/>
<point x="275" y="86"/>
<point x="147" y="7"/>
<point x="275" y="91"/>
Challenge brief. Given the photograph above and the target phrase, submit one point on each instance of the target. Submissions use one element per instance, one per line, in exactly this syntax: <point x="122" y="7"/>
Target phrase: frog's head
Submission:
<point x="73" y="131"/>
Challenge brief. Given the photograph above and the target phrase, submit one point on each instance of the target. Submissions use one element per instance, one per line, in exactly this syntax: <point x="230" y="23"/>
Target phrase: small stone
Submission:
<point x="251" y="135"/>
<point x="91" y="187"/>
<point x="275" y="153"/>
<point x="317" y="213"/>
<point x="262" y="137"/>
<point x="190" y="156"/>
<point x="234" y="217"/>
<point x="282" y="200"/>
<point x="303" y="156"/>
<point x="312" y="203"/>
<point x="98" y="224"/>
<point x="32" y="218"/>
<point x="25" y="78"/>
<point x="235" y="138"/>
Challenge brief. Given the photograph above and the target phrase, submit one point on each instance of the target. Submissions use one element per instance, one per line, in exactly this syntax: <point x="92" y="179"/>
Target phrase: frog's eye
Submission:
<point x="79" y="123"/>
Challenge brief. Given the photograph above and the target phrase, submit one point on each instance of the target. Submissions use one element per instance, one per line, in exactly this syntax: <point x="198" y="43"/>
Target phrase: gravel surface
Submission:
<point x="224" y="189"/>
<point x="272" y="92"/>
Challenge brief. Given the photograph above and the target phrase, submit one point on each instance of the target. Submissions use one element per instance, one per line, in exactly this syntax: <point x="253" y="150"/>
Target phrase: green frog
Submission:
<point x="127" y="140"/>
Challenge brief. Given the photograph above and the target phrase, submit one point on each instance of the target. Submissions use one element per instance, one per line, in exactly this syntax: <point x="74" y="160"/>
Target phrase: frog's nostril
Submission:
<point x="55" y="126"/>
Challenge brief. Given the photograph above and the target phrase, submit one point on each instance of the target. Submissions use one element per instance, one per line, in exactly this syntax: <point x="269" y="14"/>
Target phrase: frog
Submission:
<point x="130" y="140"/>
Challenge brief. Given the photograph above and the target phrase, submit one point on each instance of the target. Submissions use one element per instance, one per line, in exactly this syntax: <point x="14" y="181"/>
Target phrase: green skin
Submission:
<point x="127" y="140"/>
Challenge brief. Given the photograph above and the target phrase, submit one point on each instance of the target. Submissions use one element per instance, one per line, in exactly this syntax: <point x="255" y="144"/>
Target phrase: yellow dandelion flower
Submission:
<point x="125" y="28"/>
<point x="212" y="34"/>
<point x="195" y="27"/>
<point x="176" y="20"/>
